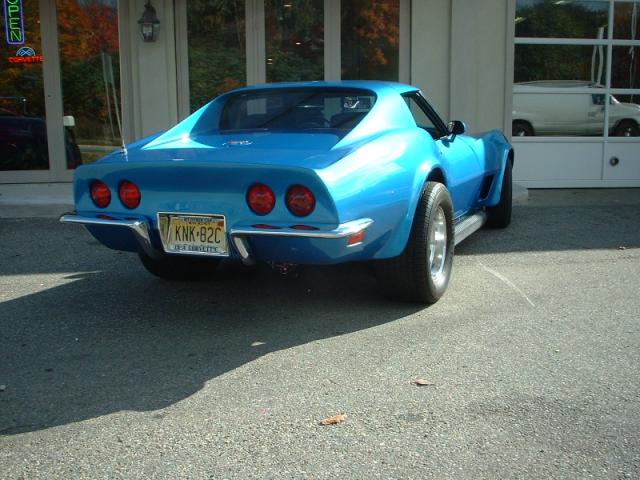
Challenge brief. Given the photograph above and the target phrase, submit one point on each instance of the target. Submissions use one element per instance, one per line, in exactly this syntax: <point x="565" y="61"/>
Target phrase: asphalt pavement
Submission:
<point x="531" y="360"/>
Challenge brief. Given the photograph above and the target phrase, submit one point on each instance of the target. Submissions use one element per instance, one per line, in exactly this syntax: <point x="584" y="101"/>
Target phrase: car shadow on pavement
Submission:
<point x="85" y="331"/>
<point x="119" y="339"/>
<point x="556" y="228"/>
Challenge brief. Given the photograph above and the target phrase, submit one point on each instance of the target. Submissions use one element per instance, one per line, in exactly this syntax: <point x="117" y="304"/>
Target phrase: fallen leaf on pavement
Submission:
<point x="421" y="382"/>
<point x="333" y="420"/>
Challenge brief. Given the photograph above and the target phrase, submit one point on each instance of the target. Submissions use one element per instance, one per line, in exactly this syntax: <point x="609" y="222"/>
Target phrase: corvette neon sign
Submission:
<point x="26" y="55"/>
<point x="14" y="22"/>
<point x="33" y="59"/>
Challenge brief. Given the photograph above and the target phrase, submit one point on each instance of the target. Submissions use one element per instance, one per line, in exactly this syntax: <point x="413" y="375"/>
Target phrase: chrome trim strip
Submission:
<point x="140" y="229"/>
<point x="341" y="231"/>
<point x="469" y="225"/>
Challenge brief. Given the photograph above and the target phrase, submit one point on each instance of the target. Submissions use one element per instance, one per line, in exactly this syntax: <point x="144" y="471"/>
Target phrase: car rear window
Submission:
<point x="296" y="110"/>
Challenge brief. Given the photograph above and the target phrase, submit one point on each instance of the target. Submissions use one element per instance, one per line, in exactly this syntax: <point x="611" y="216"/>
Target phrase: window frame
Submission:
<point x="428" y="110"/>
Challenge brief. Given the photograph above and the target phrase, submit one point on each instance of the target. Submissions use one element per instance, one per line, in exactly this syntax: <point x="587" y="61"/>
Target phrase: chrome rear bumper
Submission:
<point x="141" y="229"/>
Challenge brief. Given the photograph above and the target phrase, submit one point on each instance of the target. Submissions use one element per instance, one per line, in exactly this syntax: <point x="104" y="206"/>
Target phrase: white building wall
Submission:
<point x="148" y="71"/>
<point x="462" y="59"/>
<point x="431" y="51"/>
<point x="479" y="53"/>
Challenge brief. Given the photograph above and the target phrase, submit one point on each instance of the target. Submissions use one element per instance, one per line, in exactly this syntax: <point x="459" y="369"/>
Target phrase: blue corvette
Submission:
<point x="303" y="173"/>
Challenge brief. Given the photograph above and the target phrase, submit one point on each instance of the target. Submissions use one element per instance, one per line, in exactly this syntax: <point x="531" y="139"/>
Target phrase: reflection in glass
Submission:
<point x="538" y="111"/>
<point x="90" y="72"/>
<point x="216" y="42"/>
<point x="626" y="25"/>
<point x="297" y="110"/>
<point x="420" y="117"/>
<point x="294" y="40"/>
<point x="625" y="70"/>
<point x="561" y="18"/>
<point x="624" y="116"/>
<point x="560" y="62"/>
<point x="23" y="132"/>
<point x="370" y="39"/>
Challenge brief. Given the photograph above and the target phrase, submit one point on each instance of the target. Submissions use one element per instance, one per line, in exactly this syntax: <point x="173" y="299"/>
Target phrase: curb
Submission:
<point x="520" y="194"/>
<point x="28" y="200"/>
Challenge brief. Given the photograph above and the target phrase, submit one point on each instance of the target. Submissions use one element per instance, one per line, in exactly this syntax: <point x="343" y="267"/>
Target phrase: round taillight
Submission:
<point x="129" y="194"/>
<point x="300" y="200"/>
<point x="261" y="199"/>
<point x="100" y="194"/>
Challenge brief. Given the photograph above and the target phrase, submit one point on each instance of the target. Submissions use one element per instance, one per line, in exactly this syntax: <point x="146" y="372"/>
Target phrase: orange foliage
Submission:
<point x="85" y="31"/>
<point x="377" y="25"/>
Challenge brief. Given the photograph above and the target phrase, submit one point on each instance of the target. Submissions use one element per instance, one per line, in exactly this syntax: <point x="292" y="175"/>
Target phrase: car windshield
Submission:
<point x="297" y="110"/>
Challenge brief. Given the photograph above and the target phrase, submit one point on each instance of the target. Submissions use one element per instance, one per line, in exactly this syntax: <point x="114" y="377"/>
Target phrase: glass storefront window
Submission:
<point x="626" y="21"/>
<point x="557" y="113"/>
<point x="90" y="73"/>
<point x="624" y="114"/>
<point x="216" y="43"/>
<point x="563" y="86"/>
<point x="370" y="39"/>
<point x="294" y="40"/>
<point x="560" y="62"/>
<point x="625" y="70"/>
<point x="23" y="131"/>
<point x="561" y="19"/>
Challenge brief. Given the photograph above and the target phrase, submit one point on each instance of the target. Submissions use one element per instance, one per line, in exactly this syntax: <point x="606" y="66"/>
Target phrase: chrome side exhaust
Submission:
<point x="468" y="225"/>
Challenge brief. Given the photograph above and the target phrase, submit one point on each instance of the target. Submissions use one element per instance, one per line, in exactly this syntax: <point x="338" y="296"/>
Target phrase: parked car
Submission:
<point x="563" y="111"/>
<point x="23" y="144"/>
<point x="303" y="173"/>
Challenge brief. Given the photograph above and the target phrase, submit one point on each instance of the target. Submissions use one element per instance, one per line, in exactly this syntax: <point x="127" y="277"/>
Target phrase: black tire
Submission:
<point x="409" y="276"/>
<point x="500" y="215"/>
<point x="627" y="128"/>
<point x="520" y="128"/>
<point x="184" y="268"/>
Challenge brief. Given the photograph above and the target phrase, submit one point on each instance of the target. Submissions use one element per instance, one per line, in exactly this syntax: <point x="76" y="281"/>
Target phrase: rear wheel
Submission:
<point x="627" y="128"/>
<point x="175" y="267"/>
<point x="421" y="273"/>
<point x="500" y="215"/>
<point x="520" y="128"/>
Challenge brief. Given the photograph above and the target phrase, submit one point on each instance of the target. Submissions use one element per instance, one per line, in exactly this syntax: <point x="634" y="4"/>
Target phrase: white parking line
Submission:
<point x="507" y="281"/>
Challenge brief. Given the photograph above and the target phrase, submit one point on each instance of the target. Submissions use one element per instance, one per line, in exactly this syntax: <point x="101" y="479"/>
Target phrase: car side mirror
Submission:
<point x="69" y="121"/>
<point x="456" y="127"/>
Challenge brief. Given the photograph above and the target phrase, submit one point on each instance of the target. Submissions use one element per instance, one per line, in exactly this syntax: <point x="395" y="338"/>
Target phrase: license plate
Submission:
<point x="194" y="234"/>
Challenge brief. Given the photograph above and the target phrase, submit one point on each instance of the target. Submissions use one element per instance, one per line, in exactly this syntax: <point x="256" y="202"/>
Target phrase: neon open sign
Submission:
<point x="14" y="22"/>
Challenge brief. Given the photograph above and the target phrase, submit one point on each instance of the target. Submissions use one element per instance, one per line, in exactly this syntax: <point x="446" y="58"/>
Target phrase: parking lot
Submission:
<point x="533" y="355"/>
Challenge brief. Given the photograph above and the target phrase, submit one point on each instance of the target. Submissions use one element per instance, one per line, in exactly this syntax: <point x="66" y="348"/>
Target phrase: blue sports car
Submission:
<point x="303" y="173"/>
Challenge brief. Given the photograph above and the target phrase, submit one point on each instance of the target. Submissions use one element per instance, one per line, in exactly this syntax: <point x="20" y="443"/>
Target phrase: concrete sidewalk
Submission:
<point x="49" y="200"/>
<point x="19" y="200"/>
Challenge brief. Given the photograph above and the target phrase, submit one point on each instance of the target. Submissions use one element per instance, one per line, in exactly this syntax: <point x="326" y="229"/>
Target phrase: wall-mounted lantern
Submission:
<point x="149" y="23"/>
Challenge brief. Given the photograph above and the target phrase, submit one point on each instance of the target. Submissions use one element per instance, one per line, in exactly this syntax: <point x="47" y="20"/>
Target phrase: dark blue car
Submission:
<point x="23" y="144"/>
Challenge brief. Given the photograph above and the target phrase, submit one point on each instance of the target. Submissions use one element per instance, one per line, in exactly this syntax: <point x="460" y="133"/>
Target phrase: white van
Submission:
<point x="536" y="111"/>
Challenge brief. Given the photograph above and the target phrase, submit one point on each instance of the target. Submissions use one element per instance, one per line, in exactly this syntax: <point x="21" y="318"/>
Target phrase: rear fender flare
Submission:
<point x="429" y="170"/>
<point x="496" y="190"/>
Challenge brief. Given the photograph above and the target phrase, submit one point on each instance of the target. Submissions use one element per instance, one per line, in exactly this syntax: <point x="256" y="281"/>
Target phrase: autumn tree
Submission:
<point x="370" y="39"/>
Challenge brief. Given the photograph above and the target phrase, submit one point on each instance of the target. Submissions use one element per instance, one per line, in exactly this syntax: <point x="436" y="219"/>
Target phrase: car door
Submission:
<point x="463" y="168"/>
